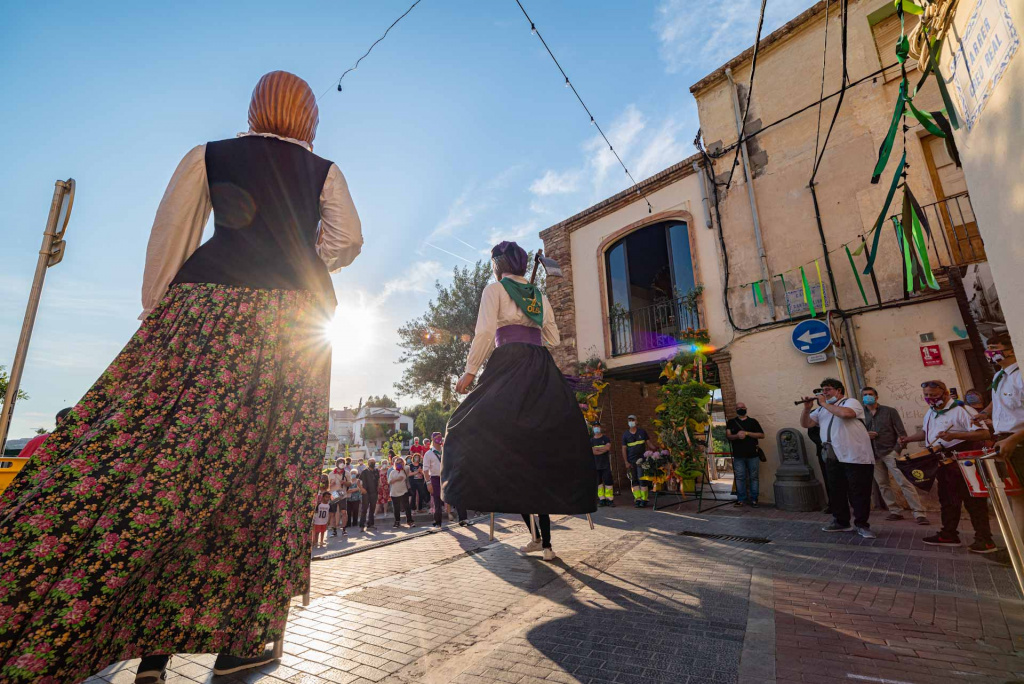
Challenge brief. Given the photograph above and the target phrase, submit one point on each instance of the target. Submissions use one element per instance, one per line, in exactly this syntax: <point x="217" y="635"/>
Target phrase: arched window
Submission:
<point x="651" y="286"/>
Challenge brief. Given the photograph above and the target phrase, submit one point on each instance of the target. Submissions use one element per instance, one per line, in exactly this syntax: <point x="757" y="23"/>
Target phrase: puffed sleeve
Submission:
<point x="177" y="228"/>
<point x="549" y="330"/>
<point x="341" y="234"/>
<point x="486" y="325"/>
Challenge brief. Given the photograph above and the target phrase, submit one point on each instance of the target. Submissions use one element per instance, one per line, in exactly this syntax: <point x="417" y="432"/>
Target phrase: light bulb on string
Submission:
<point x="591" y="121"/>
<point x="566" y="81"/>
<point x="533" y="28"/>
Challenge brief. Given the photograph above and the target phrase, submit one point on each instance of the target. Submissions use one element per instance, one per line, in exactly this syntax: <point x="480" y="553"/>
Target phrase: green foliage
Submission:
<point x="432" y="417"/>
<point x="683" y="415"/>
<point x="375" y="432"/>
<point x="383" y="401"/>
<point x="4" y="379"/>
<point x="719" y="442"/>
<point x="435" y="345"/>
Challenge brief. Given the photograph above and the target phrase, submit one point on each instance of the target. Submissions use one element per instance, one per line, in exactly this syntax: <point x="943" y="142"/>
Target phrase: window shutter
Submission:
<point x="887" y="34"/>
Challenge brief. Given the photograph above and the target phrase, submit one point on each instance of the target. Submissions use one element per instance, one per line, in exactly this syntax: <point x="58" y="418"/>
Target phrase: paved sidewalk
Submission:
<point x="731" y="595"/>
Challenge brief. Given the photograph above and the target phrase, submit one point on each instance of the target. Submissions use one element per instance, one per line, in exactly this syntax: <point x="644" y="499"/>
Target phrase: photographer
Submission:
<point x="848" y="453"/>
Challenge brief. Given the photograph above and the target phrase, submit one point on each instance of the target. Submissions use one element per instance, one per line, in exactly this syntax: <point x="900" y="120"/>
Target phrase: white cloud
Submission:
<point x="419" y="278"/>
<point x="709" y="33"/>
<point x="524" y="233"/>
<point x="553" y="183"/>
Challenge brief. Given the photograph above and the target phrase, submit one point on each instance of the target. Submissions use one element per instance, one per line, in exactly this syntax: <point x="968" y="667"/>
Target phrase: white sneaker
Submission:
<point x="535" y="545"/>
<point x="549" y="555"/>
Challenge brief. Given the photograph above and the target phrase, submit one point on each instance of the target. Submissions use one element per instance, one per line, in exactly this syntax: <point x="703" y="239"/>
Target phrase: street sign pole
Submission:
<point x="50" y="254"/>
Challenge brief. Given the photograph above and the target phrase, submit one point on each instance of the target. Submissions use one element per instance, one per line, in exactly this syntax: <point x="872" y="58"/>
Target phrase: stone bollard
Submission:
<point x="796" y="487"/>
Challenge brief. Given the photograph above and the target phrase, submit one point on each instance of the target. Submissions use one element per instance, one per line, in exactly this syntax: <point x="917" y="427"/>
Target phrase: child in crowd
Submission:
<point x="323" y="512"/>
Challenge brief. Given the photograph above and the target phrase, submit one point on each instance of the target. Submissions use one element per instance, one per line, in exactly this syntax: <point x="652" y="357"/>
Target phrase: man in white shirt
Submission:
<point x="948" y="424"/>
<point x="1006" y="412"/>
<point x="848" y="452"/>
<point x="432" y="471"/>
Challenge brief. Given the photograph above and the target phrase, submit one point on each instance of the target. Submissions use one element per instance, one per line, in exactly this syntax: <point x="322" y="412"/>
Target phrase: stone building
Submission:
<point x="630" y="275"/>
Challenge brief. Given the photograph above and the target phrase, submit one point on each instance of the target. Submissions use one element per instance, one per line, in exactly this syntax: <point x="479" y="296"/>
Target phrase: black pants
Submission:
<point x="824" y="476"/>
<point x="544" y="523"/>
<point x="418" y="495"/>
<point x="953" y="493"/>
<point x="353" y="513"/>
<point x="435" y="496"/>
<point x="398" y="502"/>
<point x="849" y="486"/>
<point x="367" y="507"/>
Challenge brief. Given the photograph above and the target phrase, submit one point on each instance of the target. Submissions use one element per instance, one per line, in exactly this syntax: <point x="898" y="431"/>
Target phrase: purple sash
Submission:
<point x="507" y="334"/>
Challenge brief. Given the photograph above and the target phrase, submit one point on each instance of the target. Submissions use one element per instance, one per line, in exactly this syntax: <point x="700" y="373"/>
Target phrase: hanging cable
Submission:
<point x="593" y="121"/>
<point x="750" y="91"/>
<point x="821" y="96"/>
<point x="370" y="49"/>
<point x="842" y="89"/>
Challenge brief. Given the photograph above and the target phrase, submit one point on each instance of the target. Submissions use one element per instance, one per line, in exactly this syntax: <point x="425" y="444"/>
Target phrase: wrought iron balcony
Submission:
<point x="662" y="324"/>
<point x="959" y="242"/>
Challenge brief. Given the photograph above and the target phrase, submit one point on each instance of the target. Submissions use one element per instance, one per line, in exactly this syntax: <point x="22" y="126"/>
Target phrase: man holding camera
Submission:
<point x="848" y="453"/>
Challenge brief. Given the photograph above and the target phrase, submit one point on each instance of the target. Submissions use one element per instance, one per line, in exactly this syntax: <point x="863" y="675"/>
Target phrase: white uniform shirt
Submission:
<point x="497" y="309"/>
<point x="1008" y="401"/>
<point x="323" y="511"/>
<point x="849" y="437"/>
<point x="186" y="206"/>
<point x="957" y="419"/>
<point x="432" y="463"/>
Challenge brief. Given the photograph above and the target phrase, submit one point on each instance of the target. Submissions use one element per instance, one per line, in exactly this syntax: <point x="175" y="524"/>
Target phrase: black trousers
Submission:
<point x="953" y="494"/>
<point x="399" y="502"/>
<point x="824" y="476"/>
<point x="367" y="507"/>
<point x="544" y="523"/>
<point x="353" y="513"/>
<point x="849" y="486"/>
<point x="419" y="497"/>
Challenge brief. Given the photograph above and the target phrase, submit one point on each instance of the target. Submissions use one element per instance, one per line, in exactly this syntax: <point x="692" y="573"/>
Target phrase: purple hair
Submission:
<point x="509" y="258"/>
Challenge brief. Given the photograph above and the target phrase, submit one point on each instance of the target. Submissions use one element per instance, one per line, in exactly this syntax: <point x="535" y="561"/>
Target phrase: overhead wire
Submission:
<point x="750" y="91"/>
<point x="569" y="84"/>
<point x="369" y="50"/>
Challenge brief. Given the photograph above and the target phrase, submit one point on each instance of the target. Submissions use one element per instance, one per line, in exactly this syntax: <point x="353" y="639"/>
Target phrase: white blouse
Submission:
<point x="185" y="209"/>
<point x="497" y="309"/>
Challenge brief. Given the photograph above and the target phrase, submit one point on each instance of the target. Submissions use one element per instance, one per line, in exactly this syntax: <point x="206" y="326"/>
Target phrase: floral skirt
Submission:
<point x="383" y="488"/>
<point x="170" y="511"/>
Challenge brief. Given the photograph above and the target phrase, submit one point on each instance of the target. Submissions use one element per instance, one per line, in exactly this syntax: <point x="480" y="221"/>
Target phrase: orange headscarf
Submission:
<point x="283" y="104"/>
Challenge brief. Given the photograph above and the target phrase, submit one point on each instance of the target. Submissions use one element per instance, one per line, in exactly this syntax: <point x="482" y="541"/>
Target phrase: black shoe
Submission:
<point x="397" y="524"/>
<point x="737" y="504"/>
<point x="983" y="547"/>
<point x="152" y="670"/>
<point x="753" y="504"/>
<point x="611" y="503"/>
<point x="226" y="664"/>
<point x="941" y="539"/>
<point x="334" y="531"/>
<point x="837" y="527"/>
<point x="463" y="523"/>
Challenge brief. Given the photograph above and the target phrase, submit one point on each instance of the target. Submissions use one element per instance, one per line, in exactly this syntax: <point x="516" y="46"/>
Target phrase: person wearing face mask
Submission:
<point x="948" y="423"/>
<point x="744" y="432"/>
<point x="635" y="441"/>
<point x="602" y="447"/>
<point x="885" y="427"/>
<point x="975" y="400"/>
<point x="848" y="454"/>
<point x="1006" y="411"/>
<point x="398" y="481"/>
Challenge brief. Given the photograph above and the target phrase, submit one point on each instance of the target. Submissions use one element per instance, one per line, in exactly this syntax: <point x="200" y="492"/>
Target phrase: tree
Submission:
<point x="432" y="417"/>
<point x="374" y="432"/>
<point x="383" y="401"/>
<point x="4" y="379"/>
<point x="436" y="344"/>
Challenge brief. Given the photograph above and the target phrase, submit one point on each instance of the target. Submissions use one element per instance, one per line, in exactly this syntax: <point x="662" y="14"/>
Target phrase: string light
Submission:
<point x="370" y="49"/>
<point x="593" y="122"/>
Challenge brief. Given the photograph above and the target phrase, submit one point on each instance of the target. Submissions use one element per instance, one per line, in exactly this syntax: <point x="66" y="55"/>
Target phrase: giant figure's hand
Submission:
<point x="462" y="386"/>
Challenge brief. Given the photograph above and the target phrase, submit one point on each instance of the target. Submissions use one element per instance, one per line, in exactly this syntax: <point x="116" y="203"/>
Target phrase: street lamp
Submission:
<point x="50" y="254"/>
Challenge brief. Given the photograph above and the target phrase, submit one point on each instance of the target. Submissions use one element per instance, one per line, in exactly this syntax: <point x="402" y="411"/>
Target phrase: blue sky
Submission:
<point x="455" y="133"/>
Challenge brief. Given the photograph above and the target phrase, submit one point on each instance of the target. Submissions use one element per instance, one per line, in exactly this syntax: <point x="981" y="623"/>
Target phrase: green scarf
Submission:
<point x="527" y="297"/>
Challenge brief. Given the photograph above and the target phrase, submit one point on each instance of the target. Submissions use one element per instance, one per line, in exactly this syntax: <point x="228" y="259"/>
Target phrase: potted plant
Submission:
<point x="682" y="415"/>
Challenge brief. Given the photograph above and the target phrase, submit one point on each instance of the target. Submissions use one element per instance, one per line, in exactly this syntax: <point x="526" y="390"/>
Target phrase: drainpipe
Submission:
<point x="703" y="195"/>
<point x="765" y="273"/>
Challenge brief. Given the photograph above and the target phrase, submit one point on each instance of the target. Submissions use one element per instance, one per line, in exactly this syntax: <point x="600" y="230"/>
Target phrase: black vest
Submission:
<point x="266" y="210"/>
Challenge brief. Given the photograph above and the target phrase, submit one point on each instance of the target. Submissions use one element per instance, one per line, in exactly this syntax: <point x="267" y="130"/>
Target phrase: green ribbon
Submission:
<point x="807" y="293"/>
<point x="758" y="297"/>
<point x="908" y="264"/>
<point x="918" y="227"/>
<point x="996" y="380"/>
<point x="947" y="101"/>
<point x="785" y="293"/>
<point x="873" y="252"/>
<point x="908" y="6"/>
<point x="886" y="147"/>
<point x="856" y="275"/>
<point x="926" y="120"/>
<point x="527" y="297"/>
<point x="950" y="143"/>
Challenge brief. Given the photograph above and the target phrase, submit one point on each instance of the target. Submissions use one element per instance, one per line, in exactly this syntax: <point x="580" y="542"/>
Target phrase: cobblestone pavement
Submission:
<point x="730" y="595"/>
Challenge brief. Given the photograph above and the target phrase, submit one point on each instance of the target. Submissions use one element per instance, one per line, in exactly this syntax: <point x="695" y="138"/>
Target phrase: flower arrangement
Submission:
<point x="654" y="465"/>
<point x="682" y="414"/>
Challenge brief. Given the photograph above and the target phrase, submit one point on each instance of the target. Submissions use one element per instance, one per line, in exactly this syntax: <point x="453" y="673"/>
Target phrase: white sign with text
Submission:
<point x="988" y="43"/>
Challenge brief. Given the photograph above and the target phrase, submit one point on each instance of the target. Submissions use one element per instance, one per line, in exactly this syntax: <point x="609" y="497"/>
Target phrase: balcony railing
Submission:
<point x="958" y="242"/>
<point x="657" y="326"/>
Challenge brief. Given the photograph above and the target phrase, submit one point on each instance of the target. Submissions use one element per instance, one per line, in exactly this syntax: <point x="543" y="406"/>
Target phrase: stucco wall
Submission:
<point x="769" y="374"/>
<point x="788" y="77"/>
<point x="680" y="197"/>
<point x="991" y="154"/>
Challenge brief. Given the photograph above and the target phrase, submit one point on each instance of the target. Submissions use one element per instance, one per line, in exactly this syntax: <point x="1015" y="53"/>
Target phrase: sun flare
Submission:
<point x="352" y="330"/>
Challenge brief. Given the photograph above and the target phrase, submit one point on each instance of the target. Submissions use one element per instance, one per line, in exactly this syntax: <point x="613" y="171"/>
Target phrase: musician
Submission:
<point x="948" y="424"/>
<point x="1006" y="411"/>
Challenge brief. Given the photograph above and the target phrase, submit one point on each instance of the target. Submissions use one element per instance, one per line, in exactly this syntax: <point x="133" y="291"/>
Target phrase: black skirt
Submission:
<point x="519" y="442"/>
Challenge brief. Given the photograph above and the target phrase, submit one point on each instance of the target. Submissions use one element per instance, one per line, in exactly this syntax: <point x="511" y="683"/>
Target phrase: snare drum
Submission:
<point x="971" y="469"/>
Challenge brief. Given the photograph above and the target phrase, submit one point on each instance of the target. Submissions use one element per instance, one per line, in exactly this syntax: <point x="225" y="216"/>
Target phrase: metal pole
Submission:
<point x="492" y="527"/>
<point x="1001" y="506"/>
<point x="765" y="272"/>
<point x="45" y="252"/>
<point x="590" y="520"/>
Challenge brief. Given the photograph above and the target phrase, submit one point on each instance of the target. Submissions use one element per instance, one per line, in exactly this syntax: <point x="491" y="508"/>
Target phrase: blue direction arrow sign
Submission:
<point x="811" y="336"/>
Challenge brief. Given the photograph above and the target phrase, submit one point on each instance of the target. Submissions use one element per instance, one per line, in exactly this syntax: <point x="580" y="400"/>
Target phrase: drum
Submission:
<point x="971" y="469"/>
<point x="920" y="467"/>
